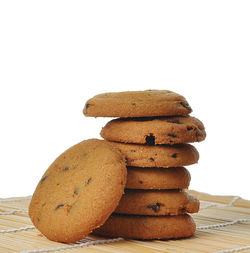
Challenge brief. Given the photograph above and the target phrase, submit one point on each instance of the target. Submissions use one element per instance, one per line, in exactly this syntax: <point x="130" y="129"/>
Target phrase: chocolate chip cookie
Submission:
<point x="158" y="155"/>
<point x="161" y="202"/>
<point x="151" y="131"/>
<point x="79" y="191"/>
<point x="147" y="227"/>
<point x="157" y="178"/>
<point x="146" y="103"/>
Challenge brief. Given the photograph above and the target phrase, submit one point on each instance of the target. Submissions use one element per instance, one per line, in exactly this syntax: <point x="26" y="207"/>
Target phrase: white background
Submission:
<point x="54" y="55"/>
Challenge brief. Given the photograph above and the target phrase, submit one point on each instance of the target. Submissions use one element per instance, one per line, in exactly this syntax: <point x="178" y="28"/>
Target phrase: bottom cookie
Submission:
<point x="147" y="227"/>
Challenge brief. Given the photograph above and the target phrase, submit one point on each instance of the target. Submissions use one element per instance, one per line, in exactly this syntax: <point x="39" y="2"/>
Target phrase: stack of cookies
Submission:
<point x="153" y="131"/>
<point x="143" y="155"/>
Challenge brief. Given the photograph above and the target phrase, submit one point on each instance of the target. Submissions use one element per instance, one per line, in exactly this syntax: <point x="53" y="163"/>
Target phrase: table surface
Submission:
<point x="223" y="225"/>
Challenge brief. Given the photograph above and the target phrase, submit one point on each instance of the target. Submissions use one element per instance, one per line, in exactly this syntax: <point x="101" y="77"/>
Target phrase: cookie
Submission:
<point x="157" y="178"/>
<point x="146" y="227"/>
<point x="158" y="155"/>
<point x="162" y="202"/>
<point x="165" y="130"/>
<point x="137" y="104"/>
<point x="79" y="191"/>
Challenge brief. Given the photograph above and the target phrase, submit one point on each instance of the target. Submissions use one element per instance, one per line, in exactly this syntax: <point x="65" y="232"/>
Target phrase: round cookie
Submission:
<point x="79" y="191"/>
<point x="151" y="131"/>
<point x="146" y="103"/>
<point x="146" y="227"/>
<point x="162" y="202"/>
<point x="159" y="155"/>
<point x="157" y="178"/>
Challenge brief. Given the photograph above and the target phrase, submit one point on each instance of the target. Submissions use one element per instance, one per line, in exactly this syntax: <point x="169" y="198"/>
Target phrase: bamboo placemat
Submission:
<point x="223" y="225"/>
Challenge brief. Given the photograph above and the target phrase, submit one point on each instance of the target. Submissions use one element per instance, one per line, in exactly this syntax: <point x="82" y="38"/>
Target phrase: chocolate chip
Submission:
<point x="174" y="155"/>
<point x="197" y="134"/>
<point x="172" y="135"/>
<point x="43" y="179"/>
<point x="150" y="139"/>
<point x="175" y="121"/>
<point x="87" y="106"/>
<point x="155" y="207"/>
<point x="76" y="191"/>
<point x="66" y="168"/>
<point x="89" y="180"/>
<point x="189" y="128"/>
<point x="59" y="206"/>
<point x="84" y="155"/>
<point x="134" y="104"/>
<point x="152" y="159"/>
<point x="186" y="106"/>
<point x="140" y="182"/>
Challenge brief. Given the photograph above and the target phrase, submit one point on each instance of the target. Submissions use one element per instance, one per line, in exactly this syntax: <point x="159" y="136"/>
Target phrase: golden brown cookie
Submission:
<point x="146" y="202"/>
<point x="164" y="130"/>
<point x="157" y="178"/>
<point x="79" y="191"/>
<point x="146" y="103"/>
<point x="147" y="227"/>
<point x="159" y="155"/>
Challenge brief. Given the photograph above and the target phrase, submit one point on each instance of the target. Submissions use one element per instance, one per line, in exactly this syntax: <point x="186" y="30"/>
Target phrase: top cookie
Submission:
<point x="146" y="103"/>
<point x="79" y="191"/>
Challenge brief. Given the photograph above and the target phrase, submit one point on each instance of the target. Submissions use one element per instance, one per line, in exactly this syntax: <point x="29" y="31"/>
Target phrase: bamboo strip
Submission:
<point x="220" y="199"/>
<point x="210" y="240"/>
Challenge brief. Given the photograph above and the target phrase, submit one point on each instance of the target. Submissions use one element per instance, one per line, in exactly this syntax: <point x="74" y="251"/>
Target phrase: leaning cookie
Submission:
<point x="158" y="155"/>
<point x="157" y="178"/>
<point x="161" y="202"/>
<point x="147" y="227"/>
<point x="79" y="191"/>
<point x="146" y="103"/>
<point x="164" y="130"/>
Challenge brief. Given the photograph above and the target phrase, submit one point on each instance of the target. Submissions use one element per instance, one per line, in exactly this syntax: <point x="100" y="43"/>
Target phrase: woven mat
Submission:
<point x="223" y="225"/>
